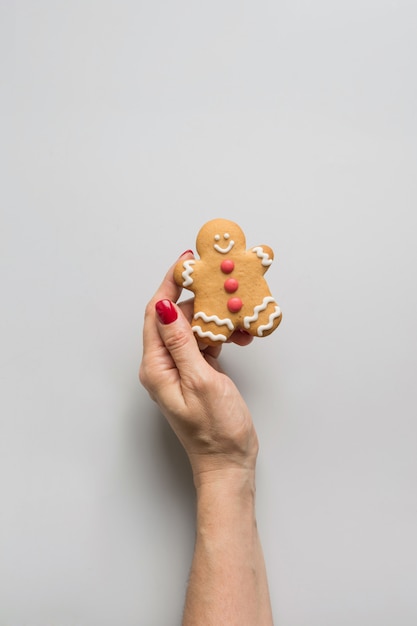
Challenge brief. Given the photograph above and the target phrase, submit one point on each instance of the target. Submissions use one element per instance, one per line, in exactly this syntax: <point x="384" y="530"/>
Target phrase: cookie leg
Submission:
<point x="264" y="319"/>
<point x="211" y="329"/>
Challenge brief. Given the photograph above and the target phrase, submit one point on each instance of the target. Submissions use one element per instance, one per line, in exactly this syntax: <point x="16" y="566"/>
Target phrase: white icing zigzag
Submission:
<point x="209" y="334"/>
<point x="272" y="317"/>
<point x="259" y="251"/>
<point x="214" y="318"/>
<point x="247" y="321"/>
<point x="187" y="273"/>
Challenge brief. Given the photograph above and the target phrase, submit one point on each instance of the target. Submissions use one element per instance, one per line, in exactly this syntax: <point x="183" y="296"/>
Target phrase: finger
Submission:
<point x="179" y="340"/>
<point x="212" y="351"/>
<point x="187" y="307"/>
<point x="168" y="289"/>
<point x="240" y="338"/>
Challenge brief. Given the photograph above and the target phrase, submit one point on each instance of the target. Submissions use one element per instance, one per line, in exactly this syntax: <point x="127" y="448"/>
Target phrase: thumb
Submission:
<point x="178" y="338"/>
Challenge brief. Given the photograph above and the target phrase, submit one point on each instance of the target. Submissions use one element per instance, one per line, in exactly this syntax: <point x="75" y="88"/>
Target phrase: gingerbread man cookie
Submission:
<point x="229" y="285"/>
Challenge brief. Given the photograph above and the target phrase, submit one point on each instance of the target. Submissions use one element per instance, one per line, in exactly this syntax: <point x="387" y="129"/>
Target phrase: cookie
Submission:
<point x="228" y="284"/>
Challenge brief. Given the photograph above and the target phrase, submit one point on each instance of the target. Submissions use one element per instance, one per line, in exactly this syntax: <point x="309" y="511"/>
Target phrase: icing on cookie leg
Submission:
<point x="247" y="321"/>
<point x="263" y="323"/>
<point x="270" y="325"/>
<point x="209" y="326"/>
<point x="207" y="334"/>
<point x="214" y="318"/>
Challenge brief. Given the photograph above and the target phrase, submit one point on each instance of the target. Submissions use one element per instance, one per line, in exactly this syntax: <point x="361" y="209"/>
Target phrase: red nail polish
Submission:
<point x="166" y="311"/>
<point x="186" y="252"/>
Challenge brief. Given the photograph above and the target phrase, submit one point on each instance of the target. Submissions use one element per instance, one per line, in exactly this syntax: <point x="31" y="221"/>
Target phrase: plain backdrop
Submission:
<point x="125" y="125"/>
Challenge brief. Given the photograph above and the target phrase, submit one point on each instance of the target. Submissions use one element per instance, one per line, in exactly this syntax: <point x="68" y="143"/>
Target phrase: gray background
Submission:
<point x="125" y="126"/>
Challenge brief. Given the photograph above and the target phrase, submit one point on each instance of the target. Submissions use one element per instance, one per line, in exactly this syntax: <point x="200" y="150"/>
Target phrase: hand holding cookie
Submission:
<point x="200" y="402"/>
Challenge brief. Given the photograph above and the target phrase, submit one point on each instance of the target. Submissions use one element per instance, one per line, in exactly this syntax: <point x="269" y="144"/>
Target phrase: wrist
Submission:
<point x="223" y="474"/>
<point x="231" y="463"/>
<point x="233" y="483"/>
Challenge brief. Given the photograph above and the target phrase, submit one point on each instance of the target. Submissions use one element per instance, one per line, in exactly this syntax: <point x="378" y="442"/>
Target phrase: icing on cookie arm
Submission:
<point x="184" y="273"/>
<point x="265" y="254"/>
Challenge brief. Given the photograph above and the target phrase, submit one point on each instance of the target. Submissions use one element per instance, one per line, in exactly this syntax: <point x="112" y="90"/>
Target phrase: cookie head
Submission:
<point x="220" y="237"/>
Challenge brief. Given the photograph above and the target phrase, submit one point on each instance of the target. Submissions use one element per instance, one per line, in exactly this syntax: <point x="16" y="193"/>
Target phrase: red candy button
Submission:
<point x="227" y="266"/>
<point x="231" y="285"/>
<point x="234" y="305"/>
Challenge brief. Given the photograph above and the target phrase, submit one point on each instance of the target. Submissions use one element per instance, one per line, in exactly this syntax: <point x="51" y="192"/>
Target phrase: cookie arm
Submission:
<point x="264" y="254"/>
<point x="185" y="273"/>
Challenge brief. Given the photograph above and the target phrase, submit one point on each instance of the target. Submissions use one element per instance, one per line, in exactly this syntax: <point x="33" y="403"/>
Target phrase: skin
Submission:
<point x="228" y="582"/>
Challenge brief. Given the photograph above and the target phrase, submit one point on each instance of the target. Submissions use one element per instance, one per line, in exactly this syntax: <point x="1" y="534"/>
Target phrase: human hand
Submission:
<point x="201" y="403"/>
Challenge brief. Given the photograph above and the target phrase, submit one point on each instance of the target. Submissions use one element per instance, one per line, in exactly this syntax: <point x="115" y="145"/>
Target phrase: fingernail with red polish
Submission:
<point x="166" y="311"/>
<point x="186" y="252"/>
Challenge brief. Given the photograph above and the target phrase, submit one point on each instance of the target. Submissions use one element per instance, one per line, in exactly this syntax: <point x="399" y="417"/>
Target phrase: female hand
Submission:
<point x="202" y="405"/>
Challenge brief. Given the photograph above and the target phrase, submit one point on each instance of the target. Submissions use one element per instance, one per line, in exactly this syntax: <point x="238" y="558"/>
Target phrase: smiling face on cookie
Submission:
<point x="227" y="244"/>
<point x="220" y="237"/>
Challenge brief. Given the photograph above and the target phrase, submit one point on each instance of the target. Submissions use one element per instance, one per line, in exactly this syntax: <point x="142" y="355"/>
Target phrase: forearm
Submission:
<point x="228" y="583"/>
